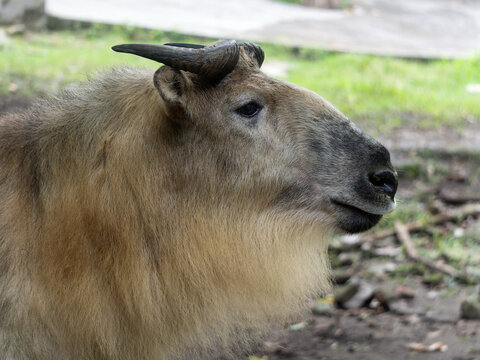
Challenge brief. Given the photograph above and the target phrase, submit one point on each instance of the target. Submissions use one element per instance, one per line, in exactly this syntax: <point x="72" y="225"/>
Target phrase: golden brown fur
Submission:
<point x="131" y="228"/>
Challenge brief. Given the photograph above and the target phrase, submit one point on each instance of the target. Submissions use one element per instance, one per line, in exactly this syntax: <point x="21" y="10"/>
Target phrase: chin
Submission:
<point x="356" y="221"/>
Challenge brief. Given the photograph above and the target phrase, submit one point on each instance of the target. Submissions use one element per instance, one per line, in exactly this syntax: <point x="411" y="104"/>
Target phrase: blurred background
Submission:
<point x="406" y="71"/>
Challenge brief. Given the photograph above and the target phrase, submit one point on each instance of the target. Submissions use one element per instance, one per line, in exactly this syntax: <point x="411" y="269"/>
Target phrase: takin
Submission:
<point x="162" y="219"/>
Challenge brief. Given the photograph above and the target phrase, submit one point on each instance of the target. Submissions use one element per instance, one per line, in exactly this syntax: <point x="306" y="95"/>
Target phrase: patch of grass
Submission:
<point x="432" y="279"/>
<point x="462" y="250"/>
<point x="406" y="212"/>
<point x="391" y="92"/>
<point x="378" y="92"/>
<point x="408" y="269"/>
<point x="46" y="62"/>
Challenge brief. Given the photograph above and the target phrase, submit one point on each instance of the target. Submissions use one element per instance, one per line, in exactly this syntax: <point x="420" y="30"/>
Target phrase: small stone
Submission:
<point x="470" y="309"/>
<point x="351" y="239"/>
<point x="334" y="346"/>
<point x="404" y="292"/>
<point x="384" y="297"/>
<point x="349" y="258"/>
<point x="362" y="297"/>
<point x="323" y="309"/>
<point x="388" y="251"/>
<point x="382" y="268"/>
<point x="344" y="293"/>
<point x="458" y="232"/>
<point x="367" y="247"/>
<point x="298" y="326"/>
<point x="340" y="276"/>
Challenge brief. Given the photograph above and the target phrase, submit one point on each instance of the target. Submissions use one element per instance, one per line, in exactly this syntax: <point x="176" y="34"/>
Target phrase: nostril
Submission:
<point x="385" y="181"/>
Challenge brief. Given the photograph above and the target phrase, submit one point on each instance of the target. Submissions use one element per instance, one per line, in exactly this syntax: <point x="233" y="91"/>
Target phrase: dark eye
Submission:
<point x="249" y="110"/>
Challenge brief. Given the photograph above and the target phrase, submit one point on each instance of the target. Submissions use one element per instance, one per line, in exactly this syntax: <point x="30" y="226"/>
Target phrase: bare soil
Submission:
<point x="431" y="317"/>
<point x="369" y="334"/>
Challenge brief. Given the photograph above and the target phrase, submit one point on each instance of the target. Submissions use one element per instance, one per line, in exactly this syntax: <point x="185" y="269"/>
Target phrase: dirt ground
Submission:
<point x="411" y="312"/>
<point x="409" y="309"/>
<point x="432" y="317"/>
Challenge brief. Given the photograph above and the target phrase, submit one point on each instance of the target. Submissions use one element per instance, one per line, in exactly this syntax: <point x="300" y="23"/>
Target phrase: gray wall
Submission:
<point x="28" y="12"/>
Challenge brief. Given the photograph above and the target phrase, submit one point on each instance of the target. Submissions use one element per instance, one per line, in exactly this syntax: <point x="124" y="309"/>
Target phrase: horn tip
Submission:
<point x="129" y="48"/>
<point x="118" y="48"/>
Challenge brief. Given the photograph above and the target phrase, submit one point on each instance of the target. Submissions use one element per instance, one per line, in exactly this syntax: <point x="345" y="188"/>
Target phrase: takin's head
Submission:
<point x="249" y="140"/>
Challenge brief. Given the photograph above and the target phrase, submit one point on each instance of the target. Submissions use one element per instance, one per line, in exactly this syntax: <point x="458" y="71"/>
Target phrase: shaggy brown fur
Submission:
<point x="141" y="220"/>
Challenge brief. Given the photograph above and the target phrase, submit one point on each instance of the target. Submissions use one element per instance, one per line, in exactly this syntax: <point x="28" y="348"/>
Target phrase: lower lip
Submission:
<point x="363" y="220"/>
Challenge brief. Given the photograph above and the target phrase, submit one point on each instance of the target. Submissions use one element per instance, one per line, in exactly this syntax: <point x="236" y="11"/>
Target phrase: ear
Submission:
<point x="171" y="85"/>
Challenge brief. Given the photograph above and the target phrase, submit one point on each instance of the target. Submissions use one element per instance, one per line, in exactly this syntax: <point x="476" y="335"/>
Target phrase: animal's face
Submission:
<point x="253" y="139"/>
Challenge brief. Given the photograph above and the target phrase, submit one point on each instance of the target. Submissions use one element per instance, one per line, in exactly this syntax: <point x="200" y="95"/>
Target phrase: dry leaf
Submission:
<point x="437" y="346"/>
<point x="417" y="347"/>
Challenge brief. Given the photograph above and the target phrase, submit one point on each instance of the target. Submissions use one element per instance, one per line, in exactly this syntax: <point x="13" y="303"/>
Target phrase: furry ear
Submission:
<point x="171" y="85"/>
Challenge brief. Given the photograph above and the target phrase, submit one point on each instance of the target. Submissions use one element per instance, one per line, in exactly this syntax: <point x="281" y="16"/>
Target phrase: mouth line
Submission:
<point x="351" y="207"/>
<point x="365" y="209"/>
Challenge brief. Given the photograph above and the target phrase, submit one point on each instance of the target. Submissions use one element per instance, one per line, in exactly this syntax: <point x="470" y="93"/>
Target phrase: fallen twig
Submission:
<point x="457" y="197"/>
<point x="404" y="236"/>
<point x="457" y="214"/>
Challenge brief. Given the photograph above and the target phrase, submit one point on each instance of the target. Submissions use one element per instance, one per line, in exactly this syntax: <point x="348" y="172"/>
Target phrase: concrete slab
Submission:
<point x="409" y="28"/>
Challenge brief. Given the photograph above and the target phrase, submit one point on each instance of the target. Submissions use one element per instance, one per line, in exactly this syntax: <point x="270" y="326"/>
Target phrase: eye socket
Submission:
<point x="249" y="110"/>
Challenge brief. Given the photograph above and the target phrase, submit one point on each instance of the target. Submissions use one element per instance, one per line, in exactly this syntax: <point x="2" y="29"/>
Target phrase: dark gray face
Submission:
<point x="338" y="174"/>
<point x="356" y="172"/>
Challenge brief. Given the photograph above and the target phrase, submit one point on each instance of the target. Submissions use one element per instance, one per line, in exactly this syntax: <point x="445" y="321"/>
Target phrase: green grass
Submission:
<point x="392" y="92"/>
<point x="378" y="92"/>
<point x="45" y="62"/>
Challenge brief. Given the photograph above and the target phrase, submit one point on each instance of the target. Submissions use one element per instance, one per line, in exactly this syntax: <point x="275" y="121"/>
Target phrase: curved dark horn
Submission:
<point x="255" y="50"/>
<point x="192" y="46"/>
<point x="212" y="62"/>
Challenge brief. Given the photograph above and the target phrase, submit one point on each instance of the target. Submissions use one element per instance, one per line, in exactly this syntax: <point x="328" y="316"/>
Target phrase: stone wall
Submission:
<point x="28" y="12"/>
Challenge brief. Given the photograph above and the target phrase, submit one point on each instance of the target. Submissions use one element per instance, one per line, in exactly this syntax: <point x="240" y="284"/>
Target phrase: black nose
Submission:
<point x="384" y="181"/>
